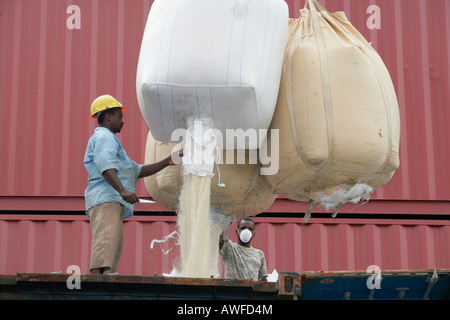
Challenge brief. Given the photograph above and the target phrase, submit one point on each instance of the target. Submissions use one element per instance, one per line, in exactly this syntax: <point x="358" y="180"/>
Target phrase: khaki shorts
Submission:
<point x="106" y="221"/>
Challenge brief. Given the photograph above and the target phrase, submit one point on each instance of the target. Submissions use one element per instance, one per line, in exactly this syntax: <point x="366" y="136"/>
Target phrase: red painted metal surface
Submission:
<point x="50" y="74"/>
<point x="48" y="243"/>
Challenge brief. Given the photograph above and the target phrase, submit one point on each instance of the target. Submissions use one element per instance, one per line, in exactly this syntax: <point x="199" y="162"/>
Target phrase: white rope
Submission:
<point x="170" y="236"/>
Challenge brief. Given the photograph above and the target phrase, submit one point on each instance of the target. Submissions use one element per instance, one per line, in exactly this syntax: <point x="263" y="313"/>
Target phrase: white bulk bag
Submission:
<point x="219" y="60"/>
<point x="337" y="113"/>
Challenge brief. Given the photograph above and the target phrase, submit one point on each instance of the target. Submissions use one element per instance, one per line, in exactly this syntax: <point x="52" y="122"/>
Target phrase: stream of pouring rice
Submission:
<point x="198" y="236"/>
<point x="199" y="229"/>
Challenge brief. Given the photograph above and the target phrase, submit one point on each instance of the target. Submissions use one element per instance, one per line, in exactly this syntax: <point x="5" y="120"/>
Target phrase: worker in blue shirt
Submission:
<point x="111" y="191"/>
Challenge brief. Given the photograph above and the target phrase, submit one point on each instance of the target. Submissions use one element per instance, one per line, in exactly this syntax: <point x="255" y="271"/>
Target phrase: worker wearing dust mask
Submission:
<point x="242" y="261"/>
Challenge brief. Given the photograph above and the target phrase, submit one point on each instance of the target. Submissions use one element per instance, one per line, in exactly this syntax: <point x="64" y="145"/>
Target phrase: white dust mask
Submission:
<point x="245" y="235"/>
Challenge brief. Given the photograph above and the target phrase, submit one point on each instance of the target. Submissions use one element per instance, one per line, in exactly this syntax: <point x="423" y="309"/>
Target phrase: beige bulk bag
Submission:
<point x="246" y="192"/>
<point x="337" y="113"/>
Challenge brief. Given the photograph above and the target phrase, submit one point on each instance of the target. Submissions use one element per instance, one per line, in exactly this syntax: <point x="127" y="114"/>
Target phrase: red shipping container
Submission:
<point x="57" y="56"/>
<point x="51" y="243"/>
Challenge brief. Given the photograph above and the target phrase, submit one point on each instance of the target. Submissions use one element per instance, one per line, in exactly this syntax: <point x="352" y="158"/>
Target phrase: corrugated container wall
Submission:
<point x="57" y="56"/>
<point x="47" y="244"/>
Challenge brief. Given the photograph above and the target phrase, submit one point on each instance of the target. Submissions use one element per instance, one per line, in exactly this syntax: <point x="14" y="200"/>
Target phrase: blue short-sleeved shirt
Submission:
<point x="104" y="151"/>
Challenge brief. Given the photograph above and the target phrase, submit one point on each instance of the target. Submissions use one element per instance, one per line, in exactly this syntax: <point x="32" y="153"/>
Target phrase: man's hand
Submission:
<point x="128" y="196"/>
<point x="175" y="157"/>
<point x="110" y="175"/>
<point x="223" y="237"/>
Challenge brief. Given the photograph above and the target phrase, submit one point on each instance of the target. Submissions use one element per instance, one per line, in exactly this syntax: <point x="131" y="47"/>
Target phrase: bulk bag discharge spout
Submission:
<point x="337" y="114"/>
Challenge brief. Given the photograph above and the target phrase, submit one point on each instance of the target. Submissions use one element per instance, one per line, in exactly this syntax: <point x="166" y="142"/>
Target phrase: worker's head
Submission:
<point x="245" y="230"/>
<point x="108" y="112"/>
<point x="111" y="119"/>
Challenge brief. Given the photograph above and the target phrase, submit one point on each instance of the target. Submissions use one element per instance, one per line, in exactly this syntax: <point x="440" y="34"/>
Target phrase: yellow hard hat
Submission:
<point x="104" y="102"/>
